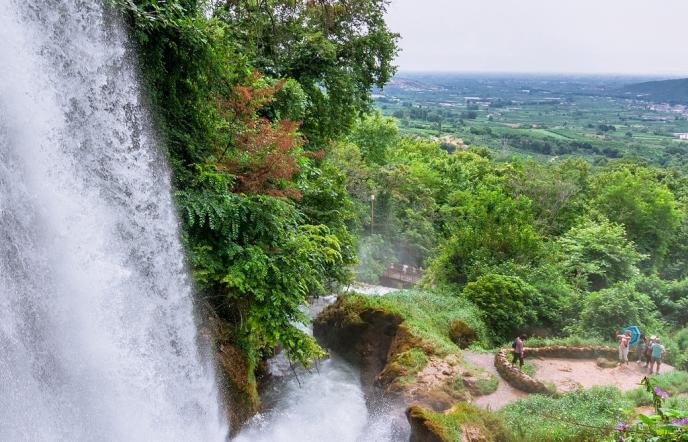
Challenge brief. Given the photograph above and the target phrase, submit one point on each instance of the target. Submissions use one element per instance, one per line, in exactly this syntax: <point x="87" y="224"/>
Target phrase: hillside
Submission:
<point x="664" y="91"/>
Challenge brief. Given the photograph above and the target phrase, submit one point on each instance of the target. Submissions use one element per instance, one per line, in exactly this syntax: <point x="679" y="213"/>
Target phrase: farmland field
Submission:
<point x="539" y="116"/>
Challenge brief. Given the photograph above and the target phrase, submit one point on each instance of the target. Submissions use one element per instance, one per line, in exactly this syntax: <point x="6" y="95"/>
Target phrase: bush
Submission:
<point x="611" y="309"/>
<point x="508" y="304"/>
<point x="450" y="425"/>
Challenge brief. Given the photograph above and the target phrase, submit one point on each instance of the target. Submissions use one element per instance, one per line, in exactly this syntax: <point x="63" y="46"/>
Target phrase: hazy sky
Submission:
<point x="564" y="36"/>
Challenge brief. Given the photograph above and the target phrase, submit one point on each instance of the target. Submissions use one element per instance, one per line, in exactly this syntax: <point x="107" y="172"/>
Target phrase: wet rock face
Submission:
<point x="240" y="391"/>
<point x="395" y="362"/>
<point x="364" y="338"/>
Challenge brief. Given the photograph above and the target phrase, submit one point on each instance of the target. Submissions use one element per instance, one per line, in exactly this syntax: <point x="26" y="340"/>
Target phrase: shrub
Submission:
<point x="451" y="425"/>
<point x="597" y="254"/>
<point x="508" y="304"/>
<point x="488" y="385"/>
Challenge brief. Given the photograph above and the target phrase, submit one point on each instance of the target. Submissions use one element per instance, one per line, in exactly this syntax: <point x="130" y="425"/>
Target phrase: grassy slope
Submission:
<point x="427" y="315"/>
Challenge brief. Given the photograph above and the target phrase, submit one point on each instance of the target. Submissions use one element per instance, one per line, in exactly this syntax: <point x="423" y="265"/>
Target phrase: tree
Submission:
<point x="485" y="226"/>
<point x="337" y="50"/>
<point x="630" y="195"/>
<point x="557" y="191"/>
<point x="262" y="156"/>
<point x="611" y="309"/>
<point x="375" y="135"/>
<point x="596" y="254"/>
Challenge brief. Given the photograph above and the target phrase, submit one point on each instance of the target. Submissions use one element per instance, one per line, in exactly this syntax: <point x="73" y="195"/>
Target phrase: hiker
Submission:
<point x="648" y="350"/>
<point x="658" y="351"/>
<point x="624" y="343"/>
<point x="518" y="350"/>
<point x="640" y="350"/>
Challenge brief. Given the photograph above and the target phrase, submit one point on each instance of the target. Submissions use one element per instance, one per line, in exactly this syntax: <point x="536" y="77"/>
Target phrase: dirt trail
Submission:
<point x="505" y="393"/>
<point x="570" y="374"/>
<point x="566" y="374"/>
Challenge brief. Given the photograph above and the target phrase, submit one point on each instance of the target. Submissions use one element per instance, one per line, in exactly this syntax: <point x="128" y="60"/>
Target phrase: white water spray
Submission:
<point x="97" y="337"/>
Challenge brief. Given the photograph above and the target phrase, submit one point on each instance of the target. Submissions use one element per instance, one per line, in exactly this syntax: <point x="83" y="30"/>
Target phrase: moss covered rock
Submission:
<point x="461" y="333"/>
<point x="402" y="344"/>
<point x="461" y="423"/>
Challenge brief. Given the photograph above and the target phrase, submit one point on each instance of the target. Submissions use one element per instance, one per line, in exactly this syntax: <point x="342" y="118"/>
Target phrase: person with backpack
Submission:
<point x="640" y="349"/>
<point x="648" y="350"/>
<point x="518" y="347"/>
<point x="658" y="352"/>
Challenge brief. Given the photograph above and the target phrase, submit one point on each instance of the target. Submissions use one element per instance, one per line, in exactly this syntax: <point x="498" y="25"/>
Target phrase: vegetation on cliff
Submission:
<point x="250" y="98"/>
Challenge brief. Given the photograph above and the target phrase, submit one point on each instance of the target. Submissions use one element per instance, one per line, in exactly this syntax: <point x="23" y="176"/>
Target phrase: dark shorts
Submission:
<point x="657" y="360"/>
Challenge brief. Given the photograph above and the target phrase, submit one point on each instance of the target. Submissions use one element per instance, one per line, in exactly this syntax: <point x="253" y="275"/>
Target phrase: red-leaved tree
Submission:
<point x="263" y="155"/>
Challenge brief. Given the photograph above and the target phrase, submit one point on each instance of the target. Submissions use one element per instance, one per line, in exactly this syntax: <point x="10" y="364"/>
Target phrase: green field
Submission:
<point x="542" y="123"/>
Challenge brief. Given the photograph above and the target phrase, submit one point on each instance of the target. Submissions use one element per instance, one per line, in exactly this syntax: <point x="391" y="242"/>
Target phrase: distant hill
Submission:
<point x="664" y="91"/>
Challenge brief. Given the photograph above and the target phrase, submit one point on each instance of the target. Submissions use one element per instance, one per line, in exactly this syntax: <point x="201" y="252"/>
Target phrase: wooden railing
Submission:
<point x="401" y="275"/>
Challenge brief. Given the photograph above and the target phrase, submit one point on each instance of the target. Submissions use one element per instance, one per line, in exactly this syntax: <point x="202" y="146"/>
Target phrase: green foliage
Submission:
<point x="335" y="50"/>
<point x="670" y="297"/>
<point x="254" y="252"/>
<point x="569" y="341"/>
<point x="666" y="425"/>
<point x="609" y="310"/>
<point x="632" y="196"/>
<point x="596" y="254"/>
<point x="508" y="304"/>
<point x="529" y="369"/>
<point x="488" y="385"/>
<point x="414" y="360"/>
<point x="579" y="416"/>
<point x="375" y="135"/>
<point x="449" y="426"/>
<point x="428" y="315"/>
<point x="225" y="102"/>
<point x="556" y="190"/>
<point x="373" y="254"/>
<point x="675" y="383"/>
<point x="486" y="227"/>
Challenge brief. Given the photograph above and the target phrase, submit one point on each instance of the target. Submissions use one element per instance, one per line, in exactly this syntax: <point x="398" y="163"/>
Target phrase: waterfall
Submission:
<point x="97" y="335"/>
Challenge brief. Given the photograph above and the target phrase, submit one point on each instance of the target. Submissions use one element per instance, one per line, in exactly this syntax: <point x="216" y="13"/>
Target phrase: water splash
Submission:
<point x="325" y="403"/>
<point x="97" y="338"/>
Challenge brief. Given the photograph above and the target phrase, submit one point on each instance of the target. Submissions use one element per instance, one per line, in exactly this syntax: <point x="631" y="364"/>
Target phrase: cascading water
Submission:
<point x="323" y="404"/>
<point x="97" y="337"/>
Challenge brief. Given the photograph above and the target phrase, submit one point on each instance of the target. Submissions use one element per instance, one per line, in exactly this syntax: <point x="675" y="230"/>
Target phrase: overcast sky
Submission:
<point x="563" y="36"/>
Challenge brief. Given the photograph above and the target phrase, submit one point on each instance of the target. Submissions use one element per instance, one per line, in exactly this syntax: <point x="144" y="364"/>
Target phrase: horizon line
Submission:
<point x="667" y="76"/>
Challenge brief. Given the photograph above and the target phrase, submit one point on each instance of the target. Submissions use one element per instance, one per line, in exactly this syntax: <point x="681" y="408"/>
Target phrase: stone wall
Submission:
<point x="515" y="377"/>
<point x="518" y="379"/>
